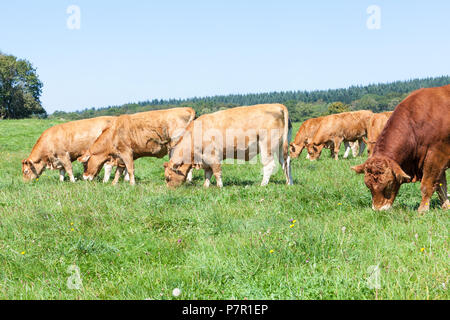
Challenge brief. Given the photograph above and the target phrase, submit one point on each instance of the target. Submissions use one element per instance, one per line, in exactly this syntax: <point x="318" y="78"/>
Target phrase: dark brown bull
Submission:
<point x="413" y="146"/>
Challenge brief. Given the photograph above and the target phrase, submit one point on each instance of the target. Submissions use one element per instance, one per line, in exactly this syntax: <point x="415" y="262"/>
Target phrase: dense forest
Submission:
<point x="301" y="104"/>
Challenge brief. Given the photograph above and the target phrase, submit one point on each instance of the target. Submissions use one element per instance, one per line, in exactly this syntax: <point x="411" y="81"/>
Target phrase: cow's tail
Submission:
<point x="287" y="136"/>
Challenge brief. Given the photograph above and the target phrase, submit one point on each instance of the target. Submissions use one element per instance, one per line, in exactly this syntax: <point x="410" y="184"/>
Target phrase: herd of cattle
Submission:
<point x="410" y="144"/>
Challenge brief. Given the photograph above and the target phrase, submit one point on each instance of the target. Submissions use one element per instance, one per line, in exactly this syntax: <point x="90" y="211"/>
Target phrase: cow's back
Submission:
<point x="348" y="125"/>
<point x="418" y="124"/>
<point x="263" y="116"/>
<point x="307" y="131"/>
<point x="152" y="133"/>
<point x="73" y="137"/>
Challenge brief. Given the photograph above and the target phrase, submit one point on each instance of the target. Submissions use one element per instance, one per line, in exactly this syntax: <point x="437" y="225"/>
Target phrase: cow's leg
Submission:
<point x="127" y="159"/>
<point x="442" y="192"/>
<point x="433" y="169"/>
<point x="189" y="175"/>
<point x="286" y="164"/>
<point x="347" y="149"/>
<point x="355" y="146"/>
<point x="208" y="175"/>
<point x="108" y="168"/>
<point x="62" y="173"/>
<point x="269" y="166"/>
<point x="330" y="145"/>
<point x="332" y="151"/>
<point x="267" y="160"/>
<point x="67" y="166"/>
<point x="337" y="146"/>
<point x="217" y="171"/>
<point x="362" y="147"/>
<point x="127" y="175"/>
<point x="118" y="174"/>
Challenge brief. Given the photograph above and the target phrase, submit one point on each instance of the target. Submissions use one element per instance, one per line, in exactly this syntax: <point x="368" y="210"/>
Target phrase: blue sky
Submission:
<point x="127" y="51"/>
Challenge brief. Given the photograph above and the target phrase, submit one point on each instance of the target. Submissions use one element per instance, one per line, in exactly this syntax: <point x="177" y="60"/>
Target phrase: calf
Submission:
<point x="413" y="146"/>
<point x="338" y="128"/>
<point x="146" y="134"/>
<point x="237" y="133"/>
<point x="376" y="125"/>
<point x="62" y="144"/>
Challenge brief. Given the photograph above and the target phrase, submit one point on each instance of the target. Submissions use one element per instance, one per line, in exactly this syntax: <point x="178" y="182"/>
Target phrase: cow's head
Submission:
<point x="175" y="174"/>
<point x="92" y="163"/>
<point x="383" y="176"/>
<point x="295" y="150"/>
<point x="32" y="169"/>
<point x="314" y="150"/>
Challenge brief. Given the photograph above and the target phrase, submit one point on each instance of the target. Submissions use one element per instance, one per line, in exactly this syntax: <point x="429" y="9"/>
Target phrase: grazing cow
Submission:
<point x="305" y="134"/>
<point x="146" y="134"/>
<point x="413" y="146"/>
<point x="338" y="128"/>
<point x="62" y="144"/>
<point x="238" y="133"/>
<point x="376" y="125"/>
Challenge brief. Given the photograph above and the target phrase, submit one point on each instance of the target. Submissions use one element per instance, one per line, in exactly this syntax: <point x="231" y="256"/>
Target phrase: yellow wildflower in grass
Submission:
<point x="422" y="250"/>
<point x="72" y="229"/>
<point x="291" y="226"/>
<point x="339" y="204"/>
<point x="271" y="251"/>
<point x="22" y="253"/>
<point x="294" y="221"/>
<point x="71" y="223"/>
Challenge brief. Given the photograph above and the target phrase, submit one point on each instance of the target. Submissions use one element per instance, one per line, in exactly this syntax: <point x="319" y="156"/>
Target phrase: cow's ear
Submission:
<point x="292" y="147"/>
<point x="24" y="161"/>
<point x="84" y="158"/>
<point x="359" y="169"/>
<point x="401" y="176"/>
<point x="166" y="164"/>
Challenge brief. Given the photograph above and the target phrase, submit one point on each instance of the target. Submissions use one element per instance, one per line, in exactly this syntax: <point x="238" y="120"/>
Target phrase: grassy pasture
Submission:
<point x="142" y="242"/>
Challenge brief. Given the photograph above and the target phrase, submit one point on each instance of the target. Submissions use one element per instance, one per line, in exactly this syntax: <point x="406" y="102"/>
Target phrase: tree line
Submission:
<point x="302" y="105"/>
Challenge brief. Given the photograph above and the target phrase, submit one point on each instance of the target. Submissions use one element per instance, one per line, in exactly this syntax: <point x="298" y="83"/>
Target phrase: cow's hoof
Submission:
<point x="446" y="205"/>
<point x="424" y="209"/>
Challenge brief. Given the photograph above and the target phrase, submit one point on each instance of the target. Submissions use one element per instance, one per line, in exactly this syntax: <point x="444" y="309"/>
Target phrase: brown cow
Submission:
<point x="376" y="125"/>
<point x="305" y="134"/>
<point x="413" y="146"/>
<point x="238" y="133"/>
<point x="338" y="128"/>
<point x="145" y="134"/>
<point x="62" y="144"/>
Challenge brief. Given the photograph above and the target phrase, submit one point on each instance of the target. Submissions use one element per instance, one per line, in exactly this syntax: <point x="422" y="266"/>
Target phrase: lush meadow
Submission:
<point x="239" y="242"/>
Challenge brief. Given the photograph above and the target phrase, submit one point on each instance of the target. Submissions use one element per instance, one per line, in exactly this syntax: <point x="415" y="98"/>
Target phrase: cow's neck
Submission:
<point x="396" y="141"/>
<point x="39" y="151"/>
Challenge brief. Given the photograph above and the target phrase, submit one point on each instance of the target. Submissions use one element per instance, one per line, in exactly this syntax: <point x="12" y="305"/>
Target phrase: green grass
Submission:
<point x="125" y="240"/>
